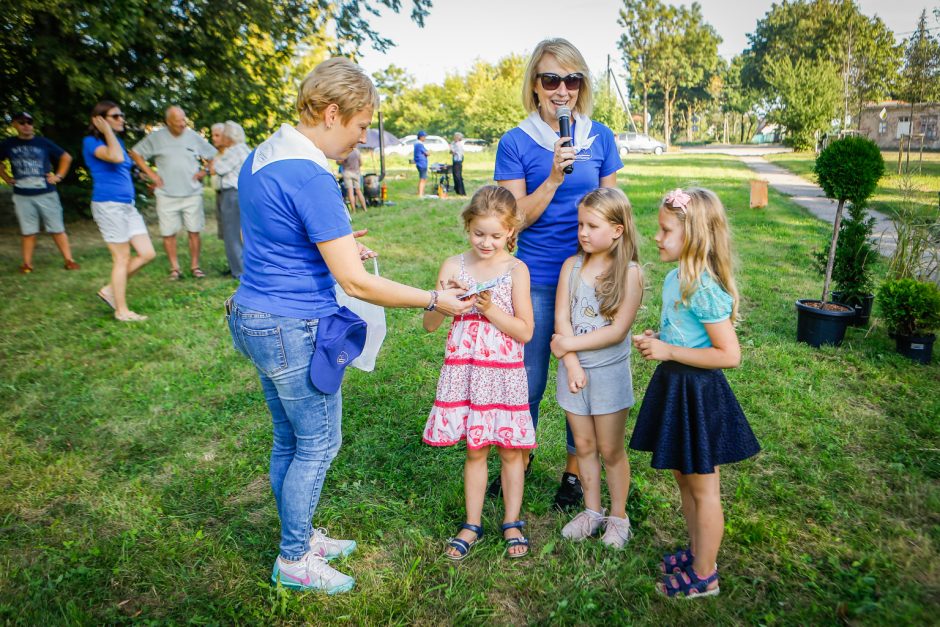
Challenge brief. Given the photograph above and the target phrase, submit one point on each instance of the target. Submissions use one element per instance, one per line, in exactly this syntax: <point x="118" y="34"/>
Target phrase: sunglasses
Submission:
<point x="116" y="116"/>
<point x="551" y="81"/>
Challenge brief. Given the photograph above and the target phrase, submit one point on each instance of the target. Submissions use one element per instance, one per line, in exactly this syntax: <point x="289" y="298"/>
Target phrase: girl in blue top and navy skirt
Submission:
<point x="690" y="419"/>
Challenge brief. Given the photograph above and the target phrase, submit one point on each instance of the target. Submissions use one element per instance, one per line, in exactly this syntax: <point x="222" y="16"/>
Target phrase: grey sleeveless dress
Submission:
<point x="609" y="378"/>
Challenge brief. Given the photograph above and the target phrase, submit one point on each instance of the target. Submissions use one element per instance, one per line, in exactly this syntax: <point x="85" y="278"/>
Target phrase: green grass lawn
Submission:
<point x="924" y="178"/>
<point x="134" y="482"/>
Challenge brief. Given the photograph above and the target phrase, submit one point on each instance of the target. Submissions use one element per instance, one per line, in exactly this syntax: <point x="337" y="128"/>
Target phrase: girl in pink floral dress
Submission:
<point x="482" y="394"/>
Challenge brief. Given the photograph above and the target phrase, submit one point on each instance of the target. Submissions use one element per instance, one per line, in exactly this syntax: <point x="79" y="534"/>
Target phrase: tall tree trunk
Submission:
<point x="832" y="249"/>
<point x="646" y="110"/>
<point x="688" y="123"/>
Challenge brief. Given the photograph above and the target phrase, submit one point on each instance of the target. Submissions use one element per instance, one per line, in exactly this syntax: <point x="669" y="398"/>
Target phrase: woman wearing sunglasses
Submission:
<point x="531" y="162"/>
<point x="112" y="205"/>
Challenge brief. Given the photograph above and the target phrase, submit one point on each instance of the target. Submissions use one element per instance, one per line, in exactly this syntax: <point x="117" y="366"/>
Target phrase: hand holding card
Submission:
<point x="481" y="287"/>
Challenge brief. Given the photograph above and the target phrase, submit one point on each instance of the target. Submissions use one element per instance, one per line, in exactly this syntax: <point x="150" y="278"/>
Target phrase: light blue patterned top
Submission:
<point x="682" y="325"/>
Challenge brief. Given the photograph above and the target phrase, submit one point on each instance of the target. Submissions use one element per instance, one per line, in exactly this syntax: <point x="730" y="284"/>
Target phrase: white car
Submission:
<point x="433" y="143"/>
<point x="638" y="142"/>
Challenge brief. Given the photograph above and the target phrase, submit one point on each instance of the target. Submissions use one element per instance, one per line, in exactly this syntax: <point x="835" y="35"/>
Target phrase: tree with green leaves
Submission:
<point x="739" y="100"/>
<point x="639" y="19"/>
<point x="807" y="98"/>
<point x="836" y="32"/>
<point x="920" y="80"/>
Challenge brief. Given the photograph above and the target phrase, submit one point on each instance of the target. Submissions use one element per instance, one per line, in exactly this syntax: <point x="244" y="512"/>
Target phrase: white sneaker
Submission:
<point x="584" y="525"/>
<point x="311" y="572"/>
<point x="618" y="532"/>
<point x="329" y="548"/>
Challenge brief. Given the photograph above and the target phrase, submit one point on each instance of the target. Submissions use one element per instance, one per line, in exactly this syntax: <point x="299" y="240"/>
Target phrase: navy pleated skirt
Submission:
<point x="691" y="422"/>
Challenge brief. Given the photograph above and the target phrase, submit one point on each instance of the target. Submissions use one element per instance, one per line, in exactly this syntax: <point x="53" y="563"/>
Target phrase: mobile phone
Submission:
<point x="481" y="287"/>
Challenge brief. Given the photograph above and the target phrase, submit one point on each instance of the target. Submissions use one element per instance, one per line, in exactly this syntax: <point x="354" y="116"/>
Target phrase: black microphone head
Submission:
<point x="562" y="112"/>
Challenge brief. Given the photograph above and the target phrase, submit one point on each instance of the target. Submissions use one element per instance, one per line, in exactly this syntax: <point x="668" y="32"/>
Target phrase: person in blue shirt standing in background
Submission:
<point x="421" y="162"/>
<point x="34" y="194"/>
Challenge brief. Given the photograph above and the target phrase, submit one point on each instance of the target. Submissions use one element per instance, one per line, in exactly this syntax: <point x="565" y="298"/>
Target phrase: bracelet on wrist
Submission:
<point x="433" y="304"/>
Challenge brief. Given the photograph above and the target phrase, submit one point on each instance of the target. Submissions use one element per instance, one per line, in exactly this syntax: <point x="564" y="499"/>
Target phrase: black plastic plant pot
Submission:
<point x="816" y="326"/>
<point x="862" y="309"/>
<point x="918" y="348"/>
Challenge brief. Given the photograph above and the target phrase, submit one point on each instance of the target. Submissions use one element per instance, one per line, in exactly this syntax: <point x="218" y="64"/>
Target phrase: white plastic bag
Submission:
<point x="374" y="316"/>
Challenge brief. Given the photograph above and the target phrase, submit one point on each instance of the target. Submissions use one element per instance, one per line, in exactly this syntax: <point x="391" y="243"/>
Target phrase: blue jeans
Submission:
<point x="307" y="423"/>
<point x="538" y="352"/>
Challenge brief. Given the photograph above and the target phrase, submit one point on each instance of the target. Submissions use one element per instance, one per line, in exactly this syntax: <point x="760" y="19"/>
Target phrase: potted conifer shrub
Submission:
<point x="848" y="171"/>
<point x="911" y="311"/>
<point x="852" y="268"/>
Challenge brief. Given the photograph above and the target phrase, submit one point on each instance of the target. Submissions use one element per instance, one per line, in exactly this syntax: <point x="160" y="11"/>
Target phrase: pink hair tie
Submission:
<point x="677" y="199"/>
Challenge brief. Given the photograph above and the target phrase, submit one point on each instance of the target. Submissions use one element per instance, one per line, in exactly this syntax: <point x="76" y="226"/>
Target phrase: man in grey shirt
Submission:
<point x="178" y="152"/>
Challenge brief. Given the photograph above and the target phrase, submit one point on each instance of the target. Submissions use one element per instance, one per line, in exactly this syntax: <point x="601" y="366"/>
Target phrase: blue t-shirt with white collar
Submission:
<point x="545" y="245"/>
<point x="684" y="325"/>
<point x="421" y="155"/>
<point x="289" y="202"/>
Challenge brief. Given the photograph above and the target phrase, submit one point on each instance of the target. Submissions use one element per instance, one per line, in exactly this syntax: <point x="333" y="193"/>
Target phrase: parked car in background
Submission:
<point x="474" y="145"/>
<point x="638" y="142"/>
<point x="434" y="143"/>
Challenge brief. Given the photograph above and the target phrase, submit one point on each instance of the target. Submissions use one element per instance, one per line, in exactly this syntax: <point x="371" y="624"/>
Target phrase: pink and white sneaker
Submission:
<point x="311" y="572"/>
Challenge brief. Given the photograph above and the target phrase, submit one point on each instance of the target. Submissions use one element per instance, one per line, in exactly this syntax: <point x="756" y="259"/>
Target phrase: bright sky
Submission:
<point x="459" y="31"/>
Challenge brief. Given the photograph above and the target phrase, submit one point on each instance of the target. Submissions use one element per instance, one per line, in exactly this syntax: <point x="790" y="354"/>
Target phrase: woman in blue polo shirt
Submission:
<point x="530" y="162"/>
<point x="298" y="245"/>
<point x="112" y="205"/>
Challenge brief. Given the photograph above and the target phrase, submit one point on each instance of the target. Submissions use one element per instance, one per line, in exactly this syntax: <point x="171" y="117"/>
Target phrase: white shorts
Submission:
<point x="175" y="212"/>
<point x="351" y="179"/>
<point x="118" y="221"/>
<point x="31" y="209"/>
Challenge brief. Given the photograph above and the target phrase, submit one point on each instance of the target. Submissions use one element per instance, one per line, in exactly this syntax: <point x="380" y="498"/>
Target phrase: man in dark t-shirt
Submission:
<point x="37" y="166"/>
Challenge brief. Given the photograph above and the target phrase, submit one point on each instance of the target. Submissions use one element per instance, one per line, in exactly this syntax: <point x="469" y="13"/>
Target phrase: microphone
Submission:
<point x="563" y="115"/>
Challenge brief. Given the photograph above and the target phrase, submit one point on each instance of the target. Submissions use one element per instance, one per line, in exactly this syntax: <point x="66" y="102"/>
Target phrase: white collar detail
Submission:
<point x="543" y="135"/>
<point x="287" y="143"/>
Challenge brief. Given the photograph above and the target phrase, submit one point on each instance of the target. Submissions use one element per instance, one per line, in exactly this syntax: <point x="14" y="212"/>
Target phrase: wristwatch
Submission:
<point x="433" y="304"/>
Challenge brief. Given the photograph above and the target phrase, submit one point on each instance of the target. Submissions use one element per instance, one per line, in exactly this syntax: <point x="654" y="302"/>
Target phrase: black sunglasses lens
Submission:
<point x="573" y="82"/>
<point x="550" y="81"/>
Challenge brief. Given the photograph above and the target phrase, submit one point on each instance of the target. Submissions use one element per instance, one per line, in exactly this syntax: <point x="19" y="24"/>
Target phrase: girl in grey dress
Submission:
<point x="599" y="293"/>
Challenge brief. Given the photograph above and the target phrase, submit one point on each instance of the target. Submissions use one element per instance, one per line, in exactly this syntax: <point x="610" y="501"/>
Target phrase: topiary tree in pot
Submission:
<point x="848" y="170"/>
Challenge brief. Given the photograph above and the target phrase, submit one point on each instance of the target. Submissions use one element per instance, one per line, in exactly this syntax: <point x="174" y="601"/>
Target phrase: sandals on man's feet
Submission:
<point x="198" y="273"/>
<point x="513" y="542"/>
<point x="688" y="585"/>
<point x="175" y="275"/>
<point x="462" y="546"/>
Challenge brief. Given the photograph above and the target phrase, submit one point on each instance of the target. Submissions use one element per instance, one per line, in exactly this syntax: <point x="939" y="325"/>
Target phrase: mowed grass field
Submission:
<point x="918" y="184"/>
<point x="134" y="457"/>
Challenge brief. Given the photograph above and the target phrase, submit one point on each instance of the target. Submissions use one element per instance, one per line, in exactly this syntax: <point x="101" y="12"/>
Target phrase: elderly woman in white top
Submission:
<point x="226" y="169"/>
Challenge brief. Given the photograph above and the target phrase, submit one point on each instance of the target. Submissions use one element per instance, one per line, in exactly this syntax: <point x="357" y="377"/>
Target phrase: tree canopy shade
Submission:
<point x="219" y="59"/>
<point x="807" y="98"/>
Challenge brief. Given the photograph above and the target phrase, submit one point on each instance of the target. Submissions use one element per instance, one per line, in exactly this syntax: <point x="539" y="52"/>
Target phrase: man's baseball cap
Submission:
<point x="22" y="116"/>
<point x="340" y="339"/>
<point x="422" y="133"/>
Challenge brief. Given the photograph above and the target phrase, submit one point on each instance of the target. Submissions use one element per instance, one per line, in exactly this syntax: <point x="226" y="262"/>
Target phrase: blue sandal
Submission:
<point x="462" y="546"/>
<point x="688" y="585"/>
<point x="511" y="542"/>
<point x="676" y="562"/>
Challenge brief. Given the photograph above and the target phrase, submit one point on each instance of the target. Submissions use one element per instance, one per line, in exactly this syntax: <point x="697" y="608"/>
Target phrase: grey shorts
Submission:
<point x="45" y="208"/>
<point x="176" y="212"/>
<point x="609" y="389"/>
<point x="118" y="221"/>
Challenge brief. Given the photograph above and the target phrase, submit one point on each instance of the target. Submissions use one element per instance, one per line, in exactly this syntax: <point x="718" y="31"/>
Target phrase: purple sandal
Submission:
<point x="676" y="562"/>
<point x="688" y="585"/>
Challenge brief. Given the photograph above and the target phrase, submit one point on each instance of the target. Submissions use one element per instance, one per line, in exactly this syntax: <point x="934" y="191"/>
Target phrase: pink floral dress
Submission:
<point x="482" y="394"/>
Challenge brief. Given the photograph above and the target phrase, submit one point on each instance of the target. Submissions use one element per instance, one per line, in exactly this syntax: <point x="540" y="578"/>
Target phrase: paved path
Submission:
<point x="811" y="196"/>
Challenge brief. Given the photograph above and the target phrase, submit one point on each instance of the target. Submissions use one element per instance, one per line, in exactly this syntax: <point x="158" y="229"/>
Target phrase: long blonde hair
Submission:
<point x="707" y="245"/>
<point x="613" y="206"/>
<point x="569" y="58"/>
<point x="492" y="200"/>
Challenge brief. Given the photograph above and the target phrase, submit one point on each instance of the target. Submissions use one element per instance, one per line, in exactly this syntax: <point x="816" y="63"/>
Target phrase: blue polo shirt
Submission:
<point x="110" y="182"/>
<point x="286" y="208"/>
<point x="545" y="245"/>
<point x="421" y="155"/>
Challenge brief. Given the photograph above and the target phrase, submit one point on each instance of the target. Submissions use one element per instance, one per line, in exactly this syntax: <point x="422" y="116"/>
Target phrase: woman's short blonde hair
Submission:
<point x="336" y="81"/>
<point x="569" y="58"/>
